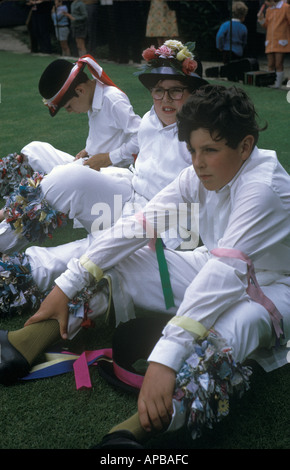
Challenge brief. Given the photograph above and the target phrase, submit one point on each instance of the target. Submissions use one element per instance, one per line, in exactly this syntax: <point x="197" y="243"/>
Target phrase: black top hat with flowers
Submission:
<point x="173" y="61"/>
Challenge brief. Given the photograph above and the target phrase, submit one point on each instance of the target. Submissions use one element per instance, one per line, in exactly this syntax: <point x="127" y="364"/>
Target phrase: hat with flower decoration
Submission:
<point x="172" y="61"/>
<point x="60" y="78"/>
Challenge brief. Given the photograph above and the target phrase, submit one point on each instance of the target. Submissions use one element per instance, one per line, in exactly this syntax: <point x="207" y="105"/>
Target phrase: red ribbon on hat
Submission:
<point x="95" y="69"/>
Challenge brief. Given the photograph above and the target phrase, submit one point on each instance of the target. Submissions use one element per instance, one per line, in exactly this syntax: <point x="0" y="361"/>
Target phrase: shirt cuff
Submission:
<point x="169" y="354"/>
<point x="116" y="158"/>
<point x="71" y="283"/>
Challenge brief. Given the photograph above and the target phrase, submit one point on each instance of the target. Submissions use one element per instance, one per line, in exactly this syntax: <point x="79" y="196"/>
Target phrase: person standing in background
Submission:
<point x="277" y="24"/>
<point x="61" y="25"/>
<point x="79" y="24"/>
<point x="161" y="22"/>
<point x="232" y="35"/>
<point x="108" y="15"/>
<point x="129" y="31"/>
<point x="40" y="26"/>
<point x="93" y="12"/>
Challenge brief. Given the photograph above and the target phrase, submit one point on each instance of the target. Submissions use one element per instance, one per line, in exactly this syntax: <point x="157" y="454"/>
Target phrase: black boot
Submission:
<point x="119" y="440"/>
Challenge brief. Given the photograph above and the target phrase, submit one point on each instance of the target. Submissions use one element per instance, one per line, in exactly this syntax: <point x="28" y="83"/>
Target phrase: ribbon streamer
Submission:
<point x="253" y="289"/>
<point x="157" y="245"/>
<point x="61" y="363"/>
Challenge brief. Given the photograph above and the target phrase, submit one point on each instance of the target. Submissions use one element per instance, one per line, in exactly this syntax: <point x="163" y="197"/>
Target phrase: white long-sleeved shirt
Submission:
<point x="161" y="157"/>
<point x="250" y="214"/>
<point x="113" y="126"/>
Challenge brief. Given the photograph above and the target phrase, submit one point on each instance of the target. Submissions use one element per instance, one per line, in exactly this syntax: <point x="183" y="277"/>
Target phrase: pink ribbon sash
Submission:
<point x="82" y="374"/>
<point x="253" y="289"/>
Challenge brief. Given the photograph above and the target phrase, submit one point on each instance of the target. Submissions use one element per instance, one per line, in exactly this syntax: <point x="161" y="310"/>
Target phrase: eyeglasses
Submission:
<point x="175" y="93"/>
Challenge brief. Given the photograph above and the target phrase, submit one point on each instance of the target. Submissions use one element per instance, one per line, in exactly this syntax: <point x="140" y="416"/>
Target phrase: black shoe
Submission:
<point x="13" y="365"/>
<point x="119" y="440"/>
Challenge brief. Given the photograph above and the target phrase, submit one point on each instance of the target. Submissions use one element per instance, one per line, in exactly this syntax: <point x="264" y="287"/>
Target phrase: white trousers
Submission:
<point x="246" y="325"/>
<point x="43" y="157"/>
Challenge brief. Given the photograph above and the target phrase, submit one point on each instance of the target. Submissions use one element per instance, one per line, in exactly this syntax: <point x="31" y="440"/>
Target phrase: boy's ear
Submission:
<point x="246" y="146"/>
<point x="79" y="90"/>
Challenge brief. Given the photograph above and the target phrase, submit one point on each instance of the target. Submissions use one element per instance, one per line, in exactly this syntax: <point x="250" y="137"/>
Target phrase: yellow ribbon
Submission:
<point x="192" y="326"/>
<point x="91" y="267"/>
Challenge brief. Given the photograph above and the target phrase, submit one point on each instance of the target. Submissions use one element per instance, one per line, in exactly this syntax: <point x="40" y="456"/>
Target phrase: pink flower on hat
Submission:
<point x="149" y="53"/>
<point x="164" y="51"/>
<point x="189" y="66"/>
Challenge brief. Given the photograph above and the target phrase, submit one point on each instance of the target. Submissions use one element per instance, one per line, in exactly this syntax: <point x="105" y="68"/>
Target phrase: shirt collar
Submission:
<point x="98" y="96"/>
<point x="158" y="123"/>
<point x="278" y="5"/>
<point x="241" y="170"/>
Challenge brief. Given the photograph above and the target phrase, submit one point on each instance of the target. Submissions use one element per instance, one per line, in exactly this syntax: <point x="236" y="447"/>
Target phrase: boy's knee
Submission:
<point x="245" y="328"/>
<point x="61" y="179"/>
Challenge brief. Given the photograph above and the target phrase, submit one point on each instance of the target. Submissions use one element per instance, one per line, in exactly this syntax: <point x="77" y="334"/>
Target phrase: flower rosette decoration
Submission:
<point x="173" y="54"/>
<point x="206" y="382"/>
<point x="27" y="211"/>
<point x="13" y="168"/>
<point x="18" y="291"/>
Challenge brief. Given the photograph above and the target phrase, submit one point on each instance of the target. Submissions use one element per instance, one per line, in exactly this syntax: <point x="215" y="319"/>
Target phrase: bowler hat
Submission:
<point x="132" y="344"/>
<point x="53" y="79"/>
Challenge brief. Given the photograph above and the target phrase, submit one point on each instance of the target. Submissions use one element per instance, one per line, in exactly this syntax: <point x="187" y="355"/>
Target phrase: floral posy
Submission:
<point x="179" y="56"/>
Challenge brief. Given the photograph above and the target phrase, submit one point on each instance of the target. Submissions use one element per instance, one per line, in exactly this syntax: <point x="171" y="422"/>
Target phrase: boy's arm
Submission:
<point x="54" y="307"/>
<point x="96" y="162"/>
<point x="128" y="122"/>
<point x="220" y="38"/>
<point x="257" y="222"/>
<point x="155" y="397"/>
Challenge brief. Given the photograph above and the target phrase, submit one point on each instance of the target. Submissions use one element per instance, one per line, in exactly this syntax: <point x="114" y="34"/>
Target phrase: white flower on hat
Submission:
<point x="173" y="44"/>
<point x="184" y="54"/>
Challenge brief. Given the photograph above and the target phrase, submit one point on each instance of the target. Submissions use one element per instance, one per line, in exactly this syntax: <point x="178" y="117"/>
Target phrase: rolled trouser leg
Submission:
<point x="10" y="241"/>
<point x="43" y="157"/>
<point x="29" y="215"/>
<point x="86" y="194"/>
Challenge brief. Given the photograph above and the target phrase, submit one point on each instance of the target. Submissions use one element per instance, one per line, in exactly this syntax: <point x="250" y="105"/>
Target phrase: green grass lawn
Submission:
<point x="50" y="413"/>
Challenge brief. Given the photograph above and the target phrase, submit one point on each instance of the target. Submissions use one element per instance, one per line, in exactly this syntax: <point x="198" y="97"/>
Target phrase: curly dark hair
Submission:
<point x="226" y="112"/>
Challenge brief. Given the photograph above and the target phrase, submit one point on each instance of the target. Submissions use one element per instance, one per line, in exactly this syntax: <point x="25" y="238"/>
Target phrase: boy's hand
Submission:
<point x="54" y="306"/>
<point x="155" y="398"/>
<point x="96" y="162"/>
<point x="82" y="154"/>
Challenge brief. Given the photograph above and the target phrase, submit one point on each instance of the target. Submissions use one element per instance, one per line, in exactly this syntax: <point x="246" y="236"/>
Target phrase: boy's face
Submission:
<point x="80" y="103"/>
<point x="216" y="163"/>
<point x="167" y="108"/>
